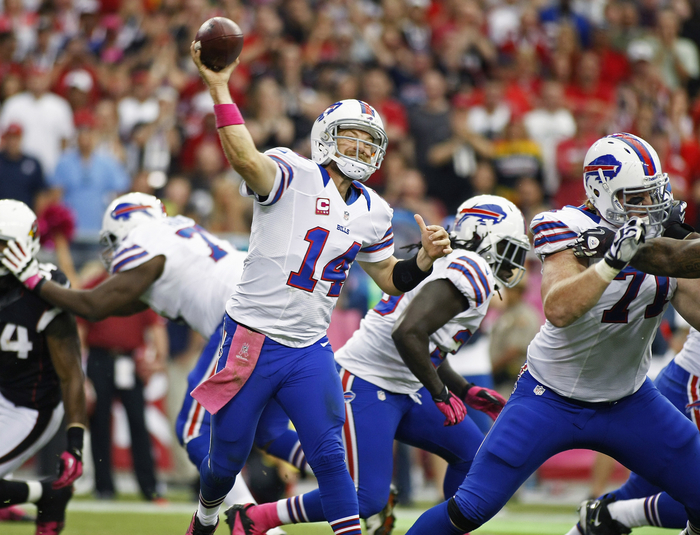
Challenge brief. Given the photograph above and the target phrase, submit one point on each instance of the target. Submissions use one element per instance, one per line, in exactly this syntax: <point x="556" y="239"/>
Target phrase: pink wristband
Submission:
<point x="227" y="114"/>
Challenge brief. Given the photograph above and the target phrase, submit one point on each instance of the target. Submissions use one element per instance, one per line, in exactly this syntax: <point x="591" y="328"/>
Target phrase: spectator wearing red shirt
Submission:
<point x="111" y="368"/>
<point x="589" y="87"/>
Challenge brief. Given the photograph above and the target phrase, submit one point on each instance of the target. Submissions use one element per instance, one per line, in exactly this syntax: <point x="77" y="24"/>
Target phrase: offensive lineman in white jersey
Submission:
<point x="639" y="503"/>
<point x="182" y="272"/>
<point x="384" y="400"/>
<point x="584" y="384"/>
<point x="311" y="220"/>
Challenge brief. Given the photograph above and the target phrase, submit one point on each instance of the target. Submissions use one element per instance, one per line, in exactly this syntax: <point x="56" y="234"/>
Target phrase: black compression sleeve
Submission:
<point x="407" y="275"/>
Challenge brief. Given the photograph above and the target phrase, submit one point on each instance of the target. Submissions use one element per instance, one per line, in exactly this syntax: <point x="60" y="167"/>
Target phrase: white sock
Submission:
<point x="283" y="512"/>
<point x="239" y="493"/>
<point x="35" y="491"/>
<point x="208" y="515"/>
<point x="574" y="531"/>
<point x="692" y="530"/>
<point x="629" y="512"/>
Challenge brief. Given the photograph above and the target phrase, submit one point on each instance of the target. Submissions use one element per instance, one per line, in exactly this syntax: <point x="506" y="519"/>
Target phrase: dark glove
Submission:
<point x="451" y="406"/>
<point x="70" y="465"/>
<point x="593" y="243"/>
<point x="483" y="399"/>
<point x="675" y="226"/>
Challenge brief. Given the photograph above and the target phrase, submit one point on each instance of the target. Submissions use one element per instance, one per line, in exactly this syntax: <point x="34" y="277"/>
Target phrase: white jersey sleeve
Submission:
<point x="555" y="230"/>
<point x="304" y="238"/>
<point x="199" y="275"/>
<point x="371" y="353"/>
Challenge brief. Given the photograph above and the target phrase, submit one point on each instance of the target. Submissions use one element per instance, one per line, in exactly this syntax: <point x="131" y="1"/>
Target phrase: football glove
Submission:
<point x="451" y="406"/>
<point x="21" y="264"/>
<point x="593" y="243"/>
<point x="675" y="226"/>
<point x="483" y="399"/>
<point x="627" y="240"/>
<point x="70" y="464"/>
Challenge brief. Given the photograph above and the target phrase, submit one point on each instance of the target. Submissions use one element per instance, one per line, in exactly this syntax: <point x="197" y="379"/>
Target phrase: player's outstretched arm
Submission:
<point x="64" y="348"/>
<point x="257" y="170"/>
<point x="669" y="258"/>
<point x="395" y="276"/>
<point x="116" y="296"/>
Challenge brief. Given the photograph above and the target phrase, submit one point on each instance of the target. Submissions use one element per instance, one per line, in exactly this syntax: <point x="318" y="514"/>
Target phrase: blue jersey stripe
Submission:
<point x="475" y="266"/>
<point x="554" y="238"/>
<point x="472" y="281"/>
<point x="548" y="225"/>
<point x="125" y="251"/>
<point x="121" y="264"/>
<point x="378" y="246"/>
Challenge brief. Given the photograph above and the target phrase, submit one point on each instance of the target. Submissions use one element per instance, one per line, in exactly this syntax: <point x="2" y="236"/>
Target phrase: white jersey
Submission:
<point x="605" y="354"/>
<point x="371" y="354"/>
<point x="199" y="275"/>
<point x="303" y="240"/>
<point x="688" y="358"/>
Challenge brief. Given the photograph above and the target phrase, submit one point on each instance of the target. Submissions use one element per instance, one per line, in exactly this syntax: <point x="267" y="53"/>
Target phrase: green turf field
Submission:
<point x="87" y="517"/>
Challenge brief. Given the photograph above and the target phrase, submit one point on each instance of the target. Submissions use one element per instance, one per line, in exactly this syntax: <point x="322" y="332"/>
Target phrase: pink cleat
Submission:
<point x="240" y="523"/>
<point x="14" y="513"/>
<point x="52" y="527"/>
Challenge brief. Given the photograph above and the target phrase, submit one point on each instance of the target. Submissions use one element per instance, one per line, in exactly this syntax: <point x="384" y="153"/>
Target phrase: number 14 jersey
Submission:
<point x="303" y="240"/>
<point x="605" y="354"/>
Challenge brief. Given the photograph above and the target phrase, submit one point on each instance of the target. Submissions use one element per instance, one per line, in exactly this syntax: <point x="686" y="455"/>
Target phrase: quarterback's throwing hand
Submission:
<point x="451" y="406"/>
<point x="434" y="239"/>
<point x="627" y="240"/>
<point x="20" y="263"/>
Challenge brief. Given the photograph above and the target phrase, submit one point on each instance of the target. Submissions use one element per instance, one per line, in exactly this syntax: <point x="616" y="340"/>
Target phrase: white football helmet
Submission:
<point x="18" y="222"/>
<point x="123" y="214"/>
<point x="349" y="115"/>
<point x="626" y="165"/>
<point x="494" y="228"/>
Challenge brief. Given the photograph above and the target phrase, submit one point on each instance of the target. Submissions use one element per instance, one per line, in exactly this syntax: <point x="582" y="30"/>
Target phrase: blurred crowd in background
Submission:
<point x="100" y="97"/>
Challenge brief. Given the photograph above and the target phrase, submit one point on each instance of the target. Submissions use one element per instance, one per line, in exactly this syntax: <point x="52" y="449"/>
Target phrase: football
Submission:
<point x="221" y="41"/>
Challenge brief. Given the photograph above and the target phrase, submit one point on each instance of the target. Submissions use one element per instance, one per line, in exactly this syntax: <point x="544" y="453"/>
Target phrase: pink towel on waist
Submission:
<point x="242" y="357"/>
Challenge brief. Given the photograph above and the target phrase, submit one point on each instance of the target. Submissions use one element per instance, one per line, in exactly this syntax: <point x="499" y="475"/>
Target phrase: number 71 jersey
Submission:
<point x="303" y="240"/>
<point x="605" y="354"/>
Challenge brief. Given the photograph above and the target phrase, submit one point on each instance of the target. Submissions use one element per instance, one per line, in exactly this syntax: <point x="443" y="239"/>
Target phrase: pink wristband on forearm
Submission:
<point x="227" y="114"/>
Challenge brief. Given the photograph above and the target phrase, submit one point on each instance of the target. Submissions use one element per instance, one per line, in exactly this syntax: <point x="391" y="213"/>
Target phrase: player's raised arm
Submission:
<point x="257" y="170"/>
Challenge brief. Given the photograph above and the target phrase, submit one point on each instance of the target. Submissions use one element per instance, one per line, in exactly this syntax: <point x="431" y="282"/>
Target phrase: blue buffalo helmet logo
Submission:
<point x="608" y="166"/>
<point x="125" y="209"/>
<point x="484" y="213"/>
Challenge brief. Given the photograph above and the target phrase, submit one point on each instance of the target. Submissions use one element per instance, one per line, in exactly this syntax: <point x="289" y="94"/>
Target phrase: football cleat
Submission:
<point x="238" y="520"/>
<point x="595" y="519"/>
<point x="51" y="510"/>
<point x="383" y="522"/>
<point x="14" y="513"/>
<point x="49" y="528"/>
<point x="196" y="527"/>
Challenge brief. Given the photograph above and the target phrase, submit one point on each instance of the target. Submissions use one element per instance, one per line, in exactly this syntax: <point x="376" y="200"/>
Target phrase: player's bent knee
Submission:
<point x="458" y="519"/>
<point x="370" y="505"/>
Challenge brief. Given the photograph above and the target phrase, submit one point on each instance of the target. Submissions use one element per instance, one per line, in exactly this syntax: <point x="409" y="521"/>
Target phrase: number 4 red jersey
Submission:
<point x="304" y="239"/>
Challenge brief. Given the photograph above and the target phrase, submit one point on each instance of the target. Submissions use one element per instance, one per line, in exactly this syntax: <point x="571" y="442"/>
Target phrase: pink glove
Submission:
<point x="70" y="468"/>
<point x="70" y="465"/>
<point x="451" y="406"/>
<point x="485" y="400"/>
